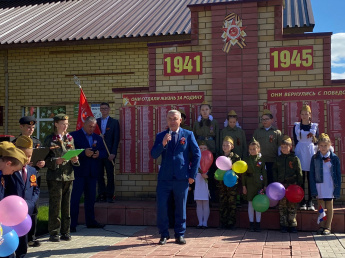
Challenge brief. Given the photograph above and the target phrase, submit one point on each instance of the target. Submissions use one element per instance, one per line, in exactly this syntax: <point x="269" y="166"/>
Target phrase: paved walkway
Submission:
<point x="140" y="241"/>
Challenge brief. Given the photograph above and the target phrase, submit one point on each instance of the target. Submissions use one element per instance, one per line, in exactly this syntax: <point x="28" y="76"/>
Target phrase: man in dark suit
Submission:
<point x="180" y="160"/>
<point x="87" y="173"/>
<point x="24" y="184"/>
<point x="110" y="129"/>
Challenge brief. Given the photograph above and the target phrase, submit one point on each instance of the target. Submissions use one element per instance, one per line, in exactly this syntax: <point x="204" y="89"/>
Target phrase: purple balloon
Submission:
<point x="223" y="163"/>
<point x="273" y="203"/>
<point x="23" y="228"/>
<point x="275" y="191"/>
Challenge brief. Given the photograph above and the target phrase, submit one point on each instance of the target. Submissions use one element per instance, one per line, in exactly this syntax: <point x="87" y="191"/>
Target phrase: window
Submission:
<point x="44" y="117"/>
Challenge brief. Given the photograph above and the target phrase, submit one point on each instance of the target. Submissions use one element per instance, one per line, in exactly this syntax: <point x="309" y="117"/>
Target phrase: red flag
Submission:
<point x="84" y="112"/>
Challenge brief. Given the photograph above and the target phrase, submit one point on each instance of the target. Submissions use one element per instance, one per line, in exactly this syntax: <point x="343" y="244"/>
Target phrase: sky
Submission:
<point x="329" y="16"/>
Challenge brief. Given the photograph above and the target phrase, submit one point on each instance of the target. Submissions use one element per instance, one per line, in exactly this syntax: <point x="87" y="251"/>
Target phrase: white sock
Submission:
<point x="250" y="212"/>
<point x="206" y="209"/>
<point x="199" y="211"/>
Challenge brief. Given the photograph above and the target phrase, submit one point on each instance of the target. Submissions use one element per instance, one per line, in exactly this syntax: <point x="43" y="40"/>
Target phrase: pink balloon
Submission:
<point x="13" y="210"/>
<point x="223" y="163"/>
<point x="273" y="203"/>
<point x="23" y="228"/>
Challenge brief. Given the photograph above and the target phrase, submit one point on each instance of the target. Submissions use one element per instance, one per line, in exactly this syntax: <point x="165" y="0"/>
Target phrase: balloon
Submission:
<point x="206" y="160"/>
<point x="13" y="210"/>
<point x="273" y="203"/>
<point x="219" y="174"/>
<point x="23" y="228"/>
<point x="261" y="203"/>
<point x="240" y="166"/>
<point x="294" y="193"/>
<point x="230" y="178"/>
<point x="223" y="163"/>
<point x="275" y="191"/>
<point x="10" y="241"/>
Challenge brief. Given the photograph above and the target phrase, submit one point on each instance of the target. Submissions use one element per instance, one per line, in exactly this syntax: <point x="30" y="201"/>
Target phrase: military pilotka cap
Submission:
<point x="59" y="117"/>
<point x="266" y="112"/>
<point x="287" y="140"/>
<point x="24" y="141"/>
<point x="7" y="149"/>
<point x="27" y="120"/>
<point x="229" y="139"/>
<point x="232" y="113"/>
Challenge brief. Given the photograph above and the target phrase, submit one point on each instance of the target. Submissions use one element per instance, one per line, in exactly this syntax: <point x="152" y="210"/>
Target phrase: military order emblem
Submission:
<point x="33" y="180"/>
<point x="233" y="32"/>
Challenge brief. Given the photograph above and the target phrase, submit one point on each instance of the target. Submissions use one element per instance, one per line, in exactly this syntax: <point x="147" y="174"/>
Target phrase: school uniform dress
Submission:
<point x="325" y="182"/>
<point x="239" y="137"/>
<point x="201" y="188"/>
<point x="305" y="148"/>
<point x="26" y="187"/>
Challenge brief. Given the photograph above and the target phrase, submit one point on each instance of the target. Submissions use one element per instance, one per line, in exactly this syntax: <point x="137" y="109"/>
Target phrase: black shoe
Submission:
<point x="34" y="243"/>
<point x="204" y="227"/>
<point x="180" y="240"/>
<point x="303" y="206"/>
<point x="257" y="227"/>
<point x="293" y="230"/>
<point x="320" y="231"/>
<point x="163" y="240"/>
<point x="96" y="225"/>
<point x="311" y="207"/>
<point x="101" y="198"/>
<point x="283" y="229"/>
<point x="54" y="238"/>
<point x="73" y="230"/>
<point x="66" y="237"/>
<point x="199" y="227"/>
<point x="251" y="227"/>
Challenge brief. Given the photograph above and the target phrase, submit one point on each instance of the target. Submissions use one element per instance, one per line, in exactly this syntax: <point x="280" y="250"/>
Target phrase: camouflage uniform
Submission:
<point x="228" y="199"/>
<point x="287" y="170"/>
<point x="60" y="181"/>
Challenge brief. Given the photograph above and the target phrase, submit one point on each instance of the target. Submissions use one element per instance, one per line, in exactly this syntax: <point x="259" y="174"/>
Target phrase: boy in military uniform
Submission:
<point x="236" y="133"/>
<point x="183" y="123"/>
<point x="27" y="126"/>
<point x="11" y="160"/>
<point x="228" y="194"/>
<point x="23" y="183"/>
<point x="287" y="171"/>
<point x="269" y="138"/>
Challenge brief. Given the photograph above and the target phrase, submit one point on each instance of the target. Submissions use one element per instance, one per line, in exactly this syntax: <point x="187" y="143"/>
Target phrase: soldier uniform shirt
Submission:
<point x="287" y="170"/>
<point x="64" y="171"/>
<point x="269" y="139"/>
<point x="255" y="178"/>
<point x="239" y="137"/>
<point x="210" y="134"/>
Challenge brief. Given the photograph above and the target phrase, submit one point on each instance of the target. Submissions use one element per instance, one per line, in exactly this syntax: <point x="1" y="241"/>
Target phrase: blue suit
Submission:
<point x="86" y="177"/>
<point x="179" y="163"/>
<point x="112" y="139"/>
<point x="29" y="191"/>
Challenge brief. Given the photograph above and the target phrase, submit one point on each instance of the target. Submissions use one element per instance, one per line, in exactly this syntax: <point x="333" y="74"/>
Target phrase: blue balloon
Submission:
<point x="230" y="178"/>
<point x="10" y="241"/>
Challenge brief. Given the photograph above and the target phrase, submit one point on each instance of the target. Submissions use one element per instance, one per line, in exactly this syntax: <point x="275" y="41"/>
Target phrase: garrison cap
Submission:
<point x="24" y="141"/>
<point x="59" y="117"/>
<point x="286" y="140"/>
<point x="306" y="108"/>
<point x="266" y="112"/>
<point x="7" y="149"/>
<point x="27" y="120"/>
<point x="229" y="139"/>
<point x="232" y="113"/>
<point x="201" y="142"/>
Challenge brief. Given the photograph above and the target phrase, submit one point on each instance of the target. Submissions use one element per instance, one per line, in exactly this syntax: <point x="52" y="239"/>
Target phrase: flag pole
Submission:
<point x="77" y="81"/>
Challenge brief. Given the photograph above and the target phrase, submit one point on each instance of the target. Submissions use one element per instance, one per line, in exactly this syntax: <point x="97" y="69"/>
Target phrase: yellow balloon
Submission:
<point x="240" y="166"/>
